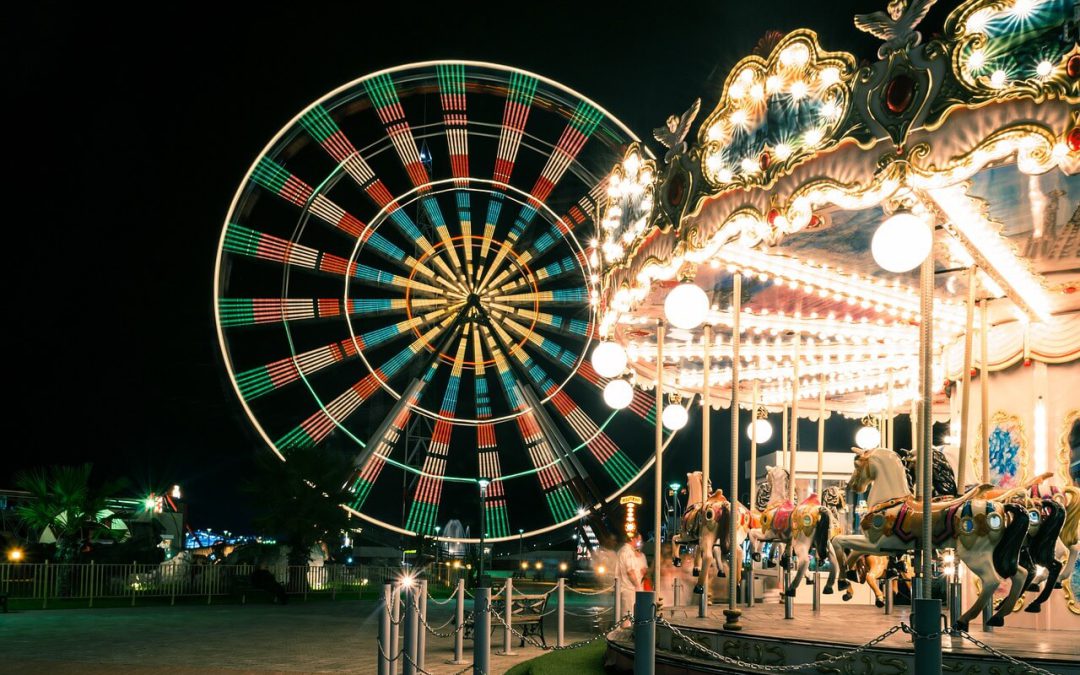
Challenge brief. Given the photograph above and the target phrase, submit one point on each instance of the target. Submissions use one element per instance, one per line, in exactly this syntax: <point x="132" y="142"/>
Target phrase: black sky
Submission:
<point x="128" y="134"/>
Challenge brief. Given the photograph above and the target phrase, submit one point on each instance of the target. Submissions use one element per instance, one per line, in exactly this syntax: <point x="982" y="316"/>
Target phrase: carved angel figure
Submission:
<point x="897" y="27"/>
<point x="673" y="135"/>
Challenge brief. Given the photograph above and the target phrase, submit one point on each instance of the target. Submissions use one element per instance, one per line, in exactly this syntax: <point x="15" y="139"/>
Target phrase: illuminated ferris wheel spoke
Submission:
<point x="488" y="465"/>
<point x="425" y="504"/>
<point x="455" y="119"/>
<point x="573" y="296"/>
<point x="643" y="404"/>
<point x="551" y="474"/>
<point x="322" y="128"/>
<point x="318" y="426"/>
<point x="234" y="312"/>
<point x="581" y="126"/>
<point x="614" y="462"/>
<point x="371" y="461"/>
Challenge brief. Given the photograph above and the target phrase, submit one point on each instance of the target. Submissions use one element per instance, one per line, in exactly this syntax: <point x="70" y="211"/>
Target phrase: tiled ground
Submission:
<point x="319" y="636"/>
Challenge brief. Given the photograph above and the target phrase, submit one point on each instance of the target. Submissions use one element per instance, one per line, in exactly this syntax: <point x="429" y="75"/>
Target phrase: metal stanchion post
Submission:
<point x="421" y="634"/>
<point x="411" y="621"/>
<point x="644" y="633"/>
<point x="927" y="615"/>
<point x="395" y="618"/>
<point x="789" y="602"/>
<point x="459" y="635"/>
<point x="619" y="610"/>
<point x="384" y="632"/>
<point x="817" y="592"/>
<point x="508" y="617"/>
<point x="560" y="620"/>
<point x="956" y="601"/>
<point x="750" y="584"/>
<point x="482" y="631"/>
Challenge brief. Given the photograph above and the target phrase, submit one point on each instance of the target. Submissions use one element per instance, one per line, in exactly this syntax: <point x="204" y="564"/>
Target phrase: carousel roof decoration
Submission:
<point x="806" y="154"/>
<point x="417" y="247"/>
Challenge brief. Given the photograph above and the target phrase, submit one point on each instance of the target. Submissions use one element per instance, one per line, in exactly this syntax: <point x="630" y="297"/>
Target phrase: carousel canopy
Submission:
<point x="825" y="185"/>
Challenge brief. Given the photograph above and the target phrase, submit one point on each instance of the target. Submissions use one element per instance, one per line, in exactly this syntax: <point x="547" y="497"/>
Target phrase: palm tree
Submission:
<point x="299" y="500"/>
<point x="64" y="500"/>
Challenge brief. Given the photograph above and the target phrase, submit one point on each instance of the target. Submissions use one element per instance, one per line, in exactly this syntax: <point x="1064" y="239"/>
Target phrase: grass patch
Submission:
<point x="587" y="660"/>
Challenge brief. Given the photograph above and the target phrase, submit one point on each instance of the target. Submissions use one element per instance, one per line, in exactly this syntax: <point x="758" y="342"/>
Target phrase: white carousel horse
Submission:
<point x="708" y="526"/>
<point x="987" y="535"/>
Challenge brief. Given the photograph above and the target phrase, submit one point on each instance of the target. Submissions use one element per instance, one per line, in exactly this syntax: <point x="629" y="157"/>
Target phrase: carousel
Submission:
<point x="898" y="243"/>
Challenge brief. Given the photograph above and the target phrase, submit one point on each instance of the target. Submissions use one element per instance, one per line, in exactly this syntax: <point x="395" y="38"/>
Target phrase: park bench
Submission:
<point x="527" y="611"/>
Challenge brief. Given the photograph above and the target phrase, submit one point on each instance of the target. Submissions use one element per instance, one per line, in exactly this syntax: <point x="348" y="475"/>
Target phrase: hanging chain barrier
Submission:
<point x="596" y="612"/>
<point x="550" y="648"/>
<point x="596" y="592"/>
<point x="1001" y="655"/>
<point x="420" y="670"/>
<point x="778" y="669"/>
<point x="848" y="655"/>
<point x="387" y="658"/>
<point x="436" y="601"/>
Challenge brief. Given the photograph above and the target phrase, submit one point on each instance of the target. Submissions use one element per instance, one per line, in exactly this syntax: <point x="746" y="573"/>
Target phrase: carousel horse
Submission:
<point x="815" y="522"/>
<point x="1046" y="520"/>
<point x="1048" y="517"/>
<point x="708" y="525"/>
<point x="811" y="523"/>
<point x="872" y="569"/>
<point x="987" y="535"/>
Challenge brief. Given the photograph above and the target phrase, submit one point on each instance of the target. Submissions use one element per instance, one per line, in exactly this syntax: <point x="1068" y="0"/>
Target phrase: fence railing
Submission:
<point x="46" y="582"/>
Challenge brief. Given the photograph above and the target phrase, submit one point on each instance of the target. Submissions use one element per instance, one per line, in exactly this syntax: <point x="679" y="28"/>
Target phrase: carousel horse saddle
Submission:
<point x="904" y="520"/>
<point x="779" y="518"/>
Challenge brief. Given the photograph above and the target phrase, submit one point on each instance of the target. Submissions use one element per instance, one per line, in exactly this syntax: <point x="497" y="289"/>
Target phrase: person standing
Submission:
<point x="631" y="570"/>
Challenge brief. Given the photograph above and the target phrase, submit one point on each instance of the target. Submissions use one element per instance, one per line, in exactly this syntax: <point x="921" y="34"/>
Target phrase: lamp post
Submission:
<point x="483" y="483"/>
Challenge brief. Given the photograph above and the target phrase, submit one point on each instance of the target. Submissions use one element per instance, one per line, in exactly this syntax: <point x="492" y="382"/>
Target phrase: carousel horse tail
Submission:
<point x="1007" y="551"/>
<point x="1070" y="531"/>
<point x="821" y="534"/>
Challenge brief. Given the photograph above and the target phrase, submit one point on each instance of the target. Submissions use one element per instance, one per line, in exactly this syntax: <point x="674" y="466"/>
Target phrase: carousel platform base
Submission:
<point x="769" y="639"/>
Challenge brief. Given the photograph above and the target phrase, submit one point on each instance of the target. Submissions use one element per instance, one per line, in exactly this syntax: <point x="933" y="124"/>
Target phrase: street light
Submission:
<point x="686" y="306"/>
<point x="483" y="483"/>
<point x="902" y="242"/>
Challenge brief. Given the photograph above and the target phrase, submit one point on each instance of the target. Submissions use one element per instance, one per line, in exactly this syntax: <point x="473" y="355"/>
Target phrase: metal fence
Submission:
<point x="45" y="582"/>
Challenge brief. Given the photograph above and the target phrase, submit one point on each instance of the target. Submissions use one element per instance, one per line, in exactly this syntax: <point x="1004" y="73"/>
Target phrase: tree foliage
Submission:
<point x="66" y="501"/>
<point x="299" y="500"/>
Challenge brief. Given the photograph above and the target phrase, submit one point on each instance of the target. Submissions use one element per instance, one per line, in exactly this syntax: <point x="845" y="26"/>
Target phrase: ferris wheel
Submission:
<point x="407" y="276"/>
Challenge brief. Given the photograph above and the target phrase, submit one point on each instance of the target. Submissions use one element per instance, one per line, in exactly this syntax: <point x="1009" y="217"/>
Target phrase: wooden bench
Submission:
<point x="527" y="612"/>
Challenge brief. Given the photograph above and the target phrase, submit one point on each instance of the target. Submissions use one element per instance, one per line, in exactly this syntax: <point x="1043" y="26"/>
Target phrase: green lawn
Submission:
<point x="587" y="660"/>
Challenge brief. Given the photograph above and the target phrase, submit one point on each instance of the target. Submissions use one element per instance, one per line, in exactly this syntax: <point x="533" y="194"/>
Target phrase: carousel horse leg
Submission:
<point x="1053" y="570"/>
<point x="875" y="587"/>
<point x="800" y="549"/>
<point x="1009" y="603"/>
<point x="834" y="566"/>
<point x="981" y="564"/>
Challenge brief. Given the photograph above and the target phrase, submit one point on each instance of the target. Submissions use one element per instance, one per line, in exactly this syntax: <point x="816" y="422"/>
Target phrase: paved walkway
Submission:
<point x="322" y="636"/>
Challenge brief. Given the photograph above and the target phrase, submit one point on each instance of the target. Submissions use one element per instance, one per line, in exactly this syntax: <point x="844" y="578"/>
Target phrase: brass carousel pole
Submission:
<point x="820" y="479"/>
<point x="965" y="386"/>
<point x="658" y="494"/>
<point x="926" y="610"/>
<point x="984" y="389"/>
<point x="753" y="481"/>
<point x="889" y="414"/>
<point x="732" y="613"/>
<point x="793" y="440"/>
<point x="706" y="363"/>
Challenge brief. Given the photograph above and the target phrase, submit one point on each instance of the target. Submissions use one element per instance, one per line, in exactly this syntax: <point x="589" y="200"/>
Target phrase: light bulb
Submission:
<point x="868" y="438"/>
<point x="760" y="428"/>
<point x="609" y="359"/>
<point x="902" y="242"/>
<point x="686" y="306"/>
<point x="675" y="417"/>
<point x="618" y="394"/>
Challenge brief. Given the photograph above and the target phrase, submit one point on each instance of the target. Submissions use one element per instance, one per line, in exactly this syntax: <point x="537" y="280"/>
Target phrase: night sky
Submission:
<point x="131" y="133"/>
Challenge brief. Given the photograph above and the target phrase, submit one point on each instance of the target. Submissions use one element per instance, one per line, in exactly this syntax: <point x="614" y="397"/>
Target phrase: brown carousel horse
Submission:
<point x="707" y="526"/>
